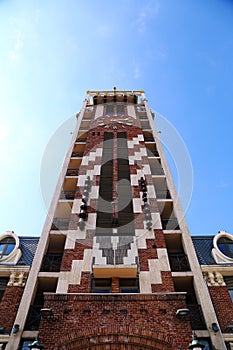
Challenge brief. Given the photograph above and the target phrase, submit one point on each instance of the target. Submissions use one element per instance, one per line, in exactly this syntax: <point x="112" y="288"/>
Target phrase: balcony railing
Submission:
<point x="72" y="172"/>
<point x="163" y="194"/>
<point x="196" y="317"/>
<point x="179" y="262"/>
<point x="67" y="195"/>
<point x="77" y="154"/>
<point x="151" y="153"/>
<point x="81" y="139"/>
<point x="146" y="127"/>
<point x="51" y="263"/>
<point x="149" y="139"/>
<point x="60" y="224"/>
<point x="170" y="224"/>
<point x="157" y="171"/>
<point x="33" y="319"/>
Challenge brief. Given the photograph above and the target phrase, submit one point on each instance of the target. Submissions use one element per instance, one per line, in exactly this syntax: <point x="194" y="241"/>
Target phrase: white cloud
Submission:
<point x="149" y="11"/>
<point x="15" y="53"/>
<point x="137" y="73"/>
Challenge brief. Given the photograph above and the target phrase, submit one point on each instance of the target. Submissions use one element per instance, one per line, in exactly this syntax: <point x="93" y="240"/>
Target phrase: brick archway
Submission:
<point x="117" y="338"/>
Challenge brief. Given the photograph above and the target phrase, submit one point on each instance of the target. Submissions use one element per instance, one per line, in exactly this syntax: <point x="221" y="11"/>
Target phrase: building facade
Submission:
<point x="115" y="266"/>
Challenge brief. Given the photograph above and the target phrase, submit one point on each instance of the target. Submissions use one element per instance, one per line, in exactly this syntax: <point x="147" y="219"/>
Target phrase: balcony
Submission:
<point x="69" y="195"/>
<point x="60" y="224"/>
<point x="81" y="139"/>
<point x="77" y="154"/>
<point x="72" y="172"/>
<point x="51" y="262"/>
<point x="179" y="262"/>
<point x="196" y="317"/>
<point x="146" y="127"/>
<point x="83" y="128"/>
<point x="170" y="224"/>
<point x="33" y="319"/>
<point x="157" y="171"/>
<point x="148" y="139"/>
<point x="165" y="194"/>
<point x="152" y="153"/>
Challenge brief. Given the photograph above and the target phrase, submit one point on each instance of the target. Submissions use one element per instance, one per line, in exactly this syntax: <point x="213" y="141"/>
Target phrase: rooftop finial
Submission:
<point x="114" y="88"/>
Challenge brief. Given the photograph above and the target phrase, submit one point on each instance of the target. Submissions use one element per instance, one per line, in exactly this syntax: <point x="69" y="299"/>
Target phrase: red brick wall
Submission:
<point x="130" y="320"/>
<point x="167" y="284"/>
<point x="9" y="306"/>
<point x="73" y="254"/>
<point x="223" y="306"/>
<point x="149" y="253"/>
<point x="84" y="286"/>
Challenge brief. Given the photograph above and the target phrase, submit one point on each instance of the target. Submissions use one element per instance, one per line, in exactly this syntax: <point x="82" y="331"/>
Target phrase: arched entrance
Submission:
<point x="117" y="338"/>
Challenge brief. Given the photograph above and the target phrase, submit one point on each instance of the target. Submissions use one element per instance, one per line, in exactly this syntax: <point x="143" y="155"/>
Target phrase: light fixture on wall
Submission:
<point x="215" y="327"/>
<point x="196" y="345"/>
<point x="2" y="330"/>
<point x="182" y="313"/>
<point x="46" y="313"/>
<point x="15" y="328"/>
<point x="230" y="328"/>
<point x="36" y="345"/>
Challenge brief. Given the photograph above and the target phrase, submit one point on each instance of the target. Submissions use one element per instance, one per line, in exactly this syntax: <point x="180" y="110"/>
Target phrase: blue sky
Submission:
<point x="180" y="52"/>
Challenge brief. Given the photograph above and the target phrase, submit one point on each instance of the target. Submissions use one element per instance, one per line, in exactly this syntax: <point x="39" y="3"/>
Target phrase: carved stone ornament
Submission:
<point x="214" y="279"/>
<point x="17" y="278"/>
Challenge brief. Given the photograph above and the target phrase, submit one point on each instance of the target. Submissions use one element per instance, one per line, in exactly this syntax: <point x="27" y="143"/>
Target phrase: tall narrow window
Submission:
<point x="125" y="206"/>
<point x="120" y="109"/>
<point x="110" y="109"/>
<point x="104" y="214"/>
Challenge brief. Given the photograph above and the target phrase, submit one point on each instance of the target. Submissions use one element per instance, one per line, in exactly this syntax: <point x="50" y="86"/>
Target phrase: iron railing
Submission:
<point x="163" y="194"/>
<point x="72" y="172"/>
<point x="170" y="224"/>
<point x="146" y="127"/>
<point x="151" y="153"/>
<point x="33" y="319"/>
<point x="157" y="171"/>
<point x="77" y="154"/>
<point x="149" y="139"/>
<point x="81" y="139"/>
<point x="67" y="195"/>
<point x="51" y="262"/>
<point x="179" y="262"/>
<point x="60" y="224"/>
<point x="196" y="317"/>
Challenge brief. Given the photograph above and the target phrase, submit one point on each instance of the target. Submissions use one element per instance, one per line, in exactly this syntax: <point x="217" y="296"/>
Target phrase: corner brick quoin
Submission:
<point x="113" y="322"/>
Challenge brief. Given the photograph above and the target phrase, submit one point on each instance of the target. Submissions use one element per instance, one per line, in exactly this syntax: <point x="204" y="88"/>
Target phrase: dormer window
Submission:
<point x="225" y="245"/>
<point x="7" y="245"/>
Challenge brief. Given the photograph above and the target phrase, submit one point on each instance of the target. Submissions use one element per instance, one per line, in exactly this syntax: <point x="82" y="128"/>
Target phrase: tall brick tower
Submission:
<point x="115" y="266"/>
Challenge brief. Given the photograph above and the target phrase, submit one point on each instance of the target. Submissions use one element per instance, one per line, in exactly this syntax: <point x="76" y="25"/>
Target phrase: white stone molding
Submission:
<point x="218" y="256"/>
<point x="16" y="253"/>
